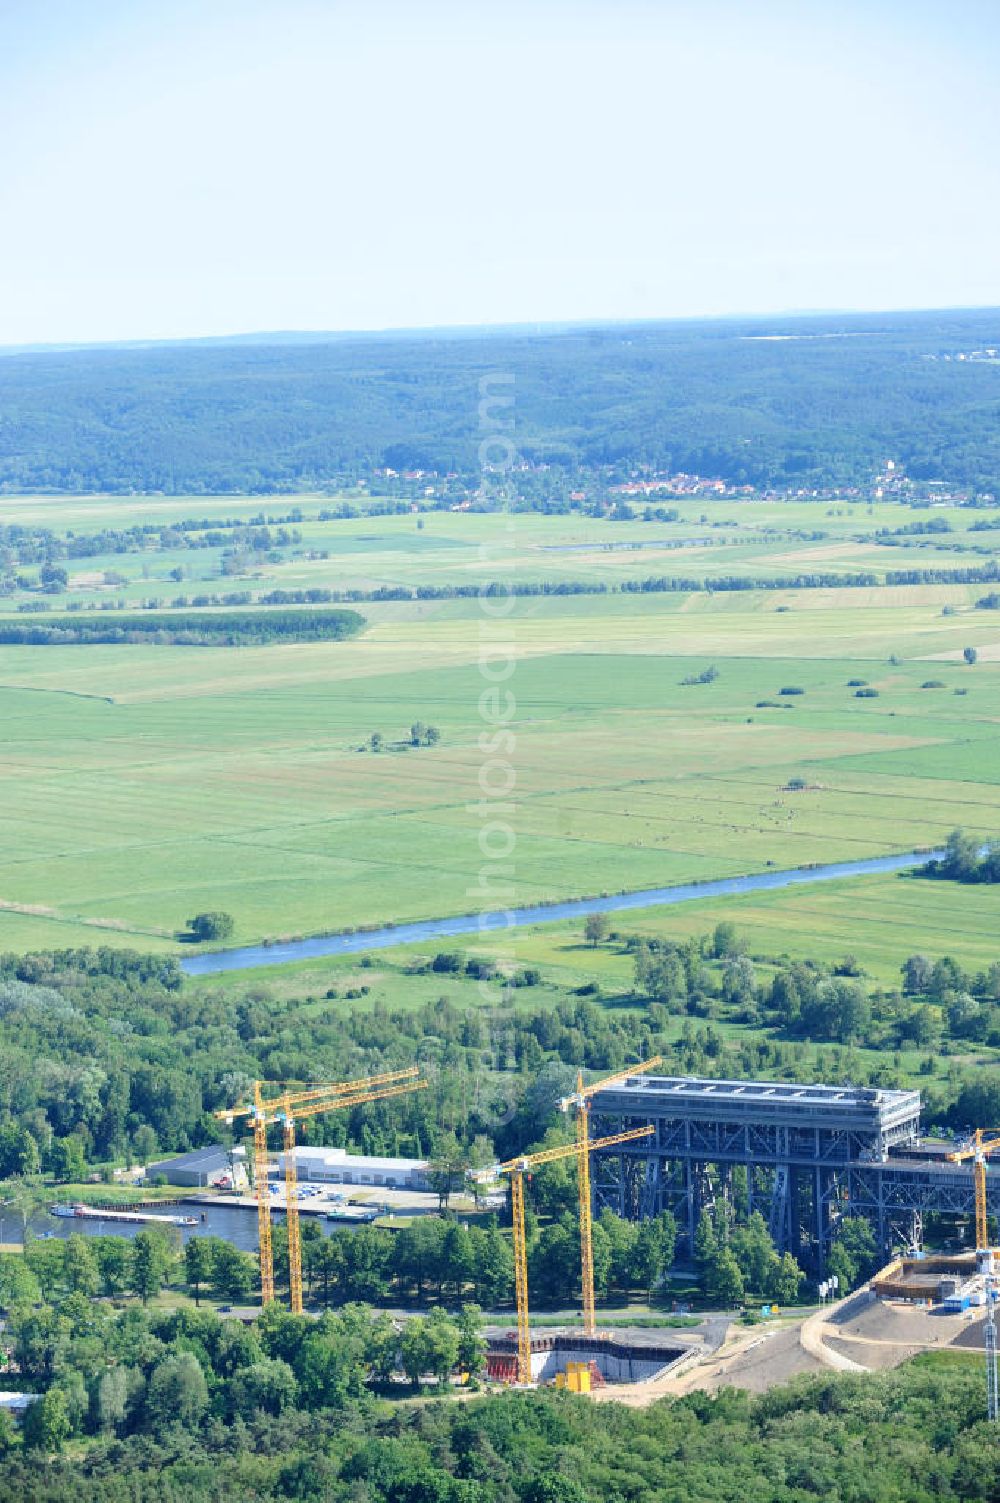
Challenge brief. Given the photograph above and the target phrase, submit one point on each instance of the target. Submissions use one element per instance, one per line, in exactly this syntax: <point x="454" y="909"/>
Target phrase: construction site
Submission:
<point x="644" y="1143"/>
<point x="954" y="1282"/>
<point x="584" y="1364"/>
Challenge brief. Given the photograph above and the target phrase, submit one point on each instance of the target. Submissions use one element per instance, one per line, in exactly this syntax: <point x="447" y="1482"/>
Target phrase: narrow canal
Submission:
<point x="237" y="1225"/>
<point x="546" y="913"/>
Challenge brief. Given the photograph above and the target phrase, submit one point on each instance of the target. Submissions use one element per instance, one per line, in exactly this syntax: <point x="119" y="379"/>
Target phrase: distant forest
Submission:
<point x="216" y="629"/>
<point x="776" y="402"/>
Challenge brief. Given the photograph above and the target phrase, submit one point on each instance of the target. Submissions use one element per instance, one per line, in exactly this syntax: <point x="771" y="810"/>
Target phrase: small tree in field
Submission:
<point x="211" y="926"/>
<point x="725" y="941"/>
<point x="597" y="927"/>
<point x="970" y="655"/>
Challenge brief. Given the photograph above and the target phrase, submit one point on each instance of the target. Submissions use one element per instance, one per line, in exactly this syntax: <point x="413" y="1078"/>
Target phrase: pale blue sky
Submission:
<point x="184" y="167"/>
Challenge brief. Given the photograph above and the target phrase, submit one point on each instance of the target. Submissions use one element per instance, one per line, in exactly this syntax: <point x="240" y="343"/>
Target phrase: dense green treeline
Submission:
<point x="252" y="628"/>
<point x="212" y="1412"/>
<point x="938" y="1000"/>
<point x="147" y="1370"/>
<point x="824" y="404"/>
<point x="304" y="1407"/>
<point x="224" y="629"/>
<point x="429" y="1260"/>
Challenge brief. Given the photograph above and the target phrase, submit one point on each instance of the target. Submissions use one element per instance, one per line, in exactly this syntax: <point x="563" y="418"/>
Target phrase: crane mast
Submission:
<point x="520" y="1278"/>
<point x="586" y="1227"/>
<point x="992" y="1383"/>
<point x="286" y="1109"/>
<point x="979" y="1149"/>
<point x="517" y="1169"/>
<point x="580" y="1101"/>
<point x="292" y="1213"/>
<point x="263" y="1197"/>
<point x="979" y="1175"/>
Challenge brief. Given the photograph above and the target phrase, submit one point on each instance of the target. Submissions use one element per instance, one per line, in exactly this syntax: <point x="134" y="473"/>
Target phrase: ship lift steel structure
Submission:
<point x="811" y="1154"/>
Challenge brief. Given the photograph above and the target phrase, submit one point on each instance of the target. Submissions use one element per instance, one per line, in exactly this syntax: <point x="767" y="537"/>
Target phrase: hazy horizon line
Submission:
<point x="520" y="326"/>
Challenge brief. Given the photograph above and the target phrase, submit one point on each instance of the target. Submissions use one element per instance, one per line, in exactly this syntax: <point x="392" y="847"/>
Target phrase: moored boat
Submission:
<point x="141" y="1218"/>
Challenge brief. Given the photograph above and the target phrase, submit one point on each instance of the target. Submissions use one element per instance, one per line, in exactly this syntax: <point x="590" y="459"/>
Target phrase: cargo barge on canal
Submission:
<point x="95" y="1213"/>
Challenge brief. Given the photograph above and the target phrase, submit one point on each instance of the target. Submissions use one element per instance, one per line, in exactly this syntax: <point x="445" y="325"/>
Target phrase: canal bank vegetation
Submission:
<point x="149" y="1267"/>
<point x="430" y="1263"/>
<point x="966" y="859"/>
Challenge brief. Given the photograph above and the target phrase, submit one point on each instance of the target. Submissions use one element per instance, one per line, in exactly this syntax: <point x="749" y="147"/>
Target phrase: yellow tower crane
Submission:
<point x="580" y="1102"/>
<point x="517" y="1169"/>
<point x="983" y="1143"/>
<point x="979" y="1149"/>
<point x="288" y="1108"/>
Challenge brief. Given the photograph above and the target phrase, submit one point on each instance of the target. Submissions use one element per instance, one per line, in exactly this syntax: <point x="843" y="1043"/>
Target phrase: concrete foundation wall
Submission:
<point x="614" y="1368"/>
<point x="920" y="1278"/>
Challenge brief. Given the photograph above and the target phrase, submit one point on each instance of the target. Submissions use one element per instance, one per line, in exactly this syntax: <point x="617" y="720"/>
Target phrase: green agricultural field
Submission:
<point x="880" y="920"/>
<point x="709" y="539"/>
<point x="143" y="784"/>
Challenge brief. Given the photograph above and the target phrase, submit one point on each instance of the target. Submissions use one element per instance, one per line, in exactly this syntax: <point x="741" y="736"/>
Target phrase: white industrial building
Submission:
<point x="17" y="1403"/>
<point x="335" y="1166"/>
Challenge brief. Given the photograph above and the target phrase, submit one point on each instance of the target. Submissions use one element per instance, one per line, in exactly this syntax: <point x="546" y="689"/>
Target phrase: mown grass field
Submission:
<point x="141" y="785"/>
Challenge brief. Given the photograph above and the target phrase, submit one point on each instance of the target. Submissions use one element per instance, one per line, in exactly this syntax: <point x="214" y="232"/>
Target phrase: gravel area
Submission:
<point x="778" y="1357"/>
